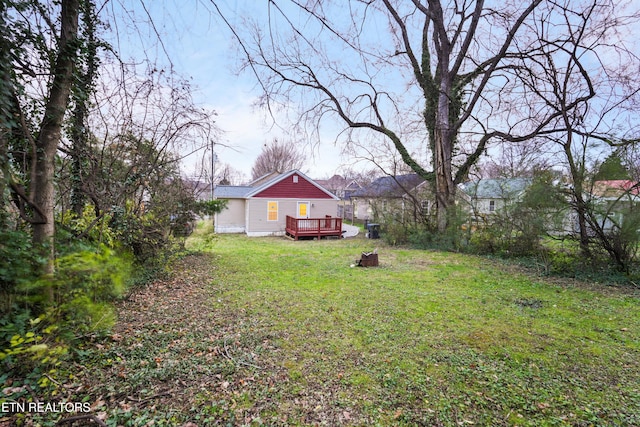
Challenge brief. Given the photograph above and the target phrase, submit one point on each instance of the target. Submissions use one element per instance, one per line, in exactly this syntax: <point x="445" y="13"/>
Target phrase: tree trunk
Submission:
<point x="581" y="208"/>
<point x="5" y="109"/>
<point x="443" y="146"/>
<point x="581" y="211"/>
<point x="444" y="180"/>
<point x="83" y="89"/>
<point x="51" y="131"/>
<point x="3" y="167"/>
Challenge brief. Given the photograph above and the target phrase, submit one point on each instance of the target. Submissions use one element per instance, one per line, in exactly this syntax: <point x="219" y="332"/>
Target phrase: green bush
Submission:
<point x="396" y="233"/>
<point x="514" y="231"/>
<point x="558" y="261"/>
<point x="101" y="274"/>
<point x="36" y="333"/>
<point x="210" y="207"/>
<point x="486" y="242"/>
<point x="82" y="315"/>
<point x="454" y="239"/>
<point x="84" y="284"/>
<point x="19" y="263"/>
<point x="31" y="351"/>
<point x="88" y="228"/>
<point x="17" y="258"/>
<point x="146" y="236"/>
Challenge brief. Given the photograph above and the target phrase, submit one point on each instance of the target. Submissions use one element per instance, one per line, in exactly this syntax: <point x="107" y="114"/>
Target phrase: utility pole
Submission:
<point x="213" y="167"/>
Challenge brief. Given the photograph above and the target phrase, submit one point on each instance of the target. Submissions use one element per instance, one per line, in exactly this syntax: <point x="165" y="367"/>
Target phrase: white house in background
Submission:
<point x="489" y="196"/>
<point x="388" y="194"/>
<point x="614" y="199"/>
<point x="261" y="207"/>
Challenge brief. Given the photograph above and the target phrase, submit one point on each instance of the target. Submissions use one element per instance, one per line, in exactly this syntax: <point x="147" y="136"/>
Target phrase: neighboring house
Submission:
<point x="414" y="198"/>
<point x="618" y="189"/>
<point x="261" y="207"/>
<point x="401" y="195"/>
<point x="343" y="188"/>
<point x="614" y="199"/>
<point x="486" y="197"/>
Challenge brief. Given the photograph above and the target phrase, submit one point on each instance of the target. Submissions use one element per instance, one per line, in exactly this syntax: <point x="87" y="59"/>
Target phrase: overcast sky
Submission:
<point x="198" y="46"/>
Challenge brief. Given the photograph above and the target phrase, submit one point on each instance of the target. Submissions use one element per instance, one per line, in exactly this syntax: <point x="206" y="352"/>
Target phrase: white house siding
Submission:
<point x="257" y="224"/>
<point x="362" y="208"/>
<point x="231" y="219"/>
<point x="483" y="206"/>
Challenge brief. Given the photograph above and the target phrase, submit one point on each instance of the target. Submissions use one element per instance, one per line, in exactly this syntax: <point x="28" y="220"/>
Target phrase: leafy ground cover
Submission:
<point x="269" y="331"/>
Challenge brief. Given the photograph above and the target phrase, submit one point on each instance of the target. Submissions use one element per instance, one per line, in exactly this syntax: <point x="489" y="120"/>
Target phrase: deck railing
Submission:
<point x="316" y="227"/>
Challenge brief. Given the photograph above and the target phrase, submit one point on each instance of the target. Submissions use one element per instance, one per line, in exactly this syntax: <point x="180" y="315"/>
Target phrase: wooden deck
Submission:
<point x="313" y="227"/>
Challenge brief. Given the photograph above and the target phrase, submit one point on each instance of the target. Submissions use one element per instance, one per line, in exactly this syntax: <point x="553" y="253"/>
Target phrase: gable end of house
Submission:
<point x="292" y="187"/>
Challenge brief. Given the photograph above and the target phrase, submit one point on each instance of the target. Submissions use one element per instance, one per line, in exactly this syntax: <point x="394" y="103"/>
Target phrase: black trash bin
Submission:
<point x="373" y="231"/>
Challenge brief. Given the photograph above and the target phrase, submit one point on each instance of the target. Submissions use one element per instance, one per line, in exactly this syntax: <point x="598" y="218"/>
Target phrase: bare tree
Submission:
<point x="517" y="159"/>
<point x="277" y="157"/>
<point x="421" y="79"/>
<point x="228" y="175"/>
<point x="441" y="72"/>
<point x="585" y="79"/>
<point x="139" y="124"/>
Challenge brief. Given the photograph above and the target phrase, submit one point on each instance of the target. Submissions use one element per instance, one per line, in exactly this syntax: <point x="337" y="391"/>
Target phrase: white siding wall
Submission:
<point x="362" y="209"/>
<point x="232" y="219"/>
<point x="483" y="206"/>
<point x="257" y="224"/>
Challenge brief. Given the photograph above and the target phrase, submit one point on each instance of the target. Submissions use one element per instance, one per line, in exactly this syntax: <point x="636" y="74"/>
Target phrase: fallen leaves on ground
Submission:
<point x="181" y="351"/>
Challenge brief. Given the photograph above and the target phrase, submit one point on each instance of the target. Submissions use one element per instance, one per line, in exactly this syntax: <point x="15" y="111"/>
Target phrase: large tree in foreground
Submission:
<point x="42" y="50"/>
<point x="438" y="79"/>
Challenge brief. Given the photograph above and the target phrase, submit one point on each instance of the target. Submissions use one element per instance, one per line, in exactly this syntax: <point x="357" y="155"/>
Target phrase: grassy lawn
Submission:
<point x="268" y="331"/>
<point x="427" y="338"/>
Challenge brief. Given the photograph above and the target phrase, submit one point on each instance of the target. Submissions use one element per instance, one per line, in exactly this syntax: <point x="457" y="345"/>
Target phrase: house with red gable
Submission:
<point x="290" y="204"/>
<point x="616" y="189"/>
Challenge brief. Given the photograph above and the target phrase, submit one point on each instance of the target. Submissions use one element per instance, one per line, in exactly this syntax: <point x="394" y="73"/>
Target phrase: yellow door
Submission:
<point x="303" y="209"/>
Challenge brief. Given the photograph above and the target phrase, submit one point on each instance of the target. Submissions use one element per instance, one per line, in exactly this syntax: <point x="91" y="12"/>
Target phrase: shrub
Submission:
<point x="395" y="233"/>
<point x="148" y="237"/>
<point x="30" y="353"/>
<point x="455" y="238"/>
<point x="623" y="240"/>
<point x="514" y="231"/>
<point x="36" y="334"/>
<point x="88" y="228"/>
<point x="84" y="284"/>
<point x="19" y="263"/>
